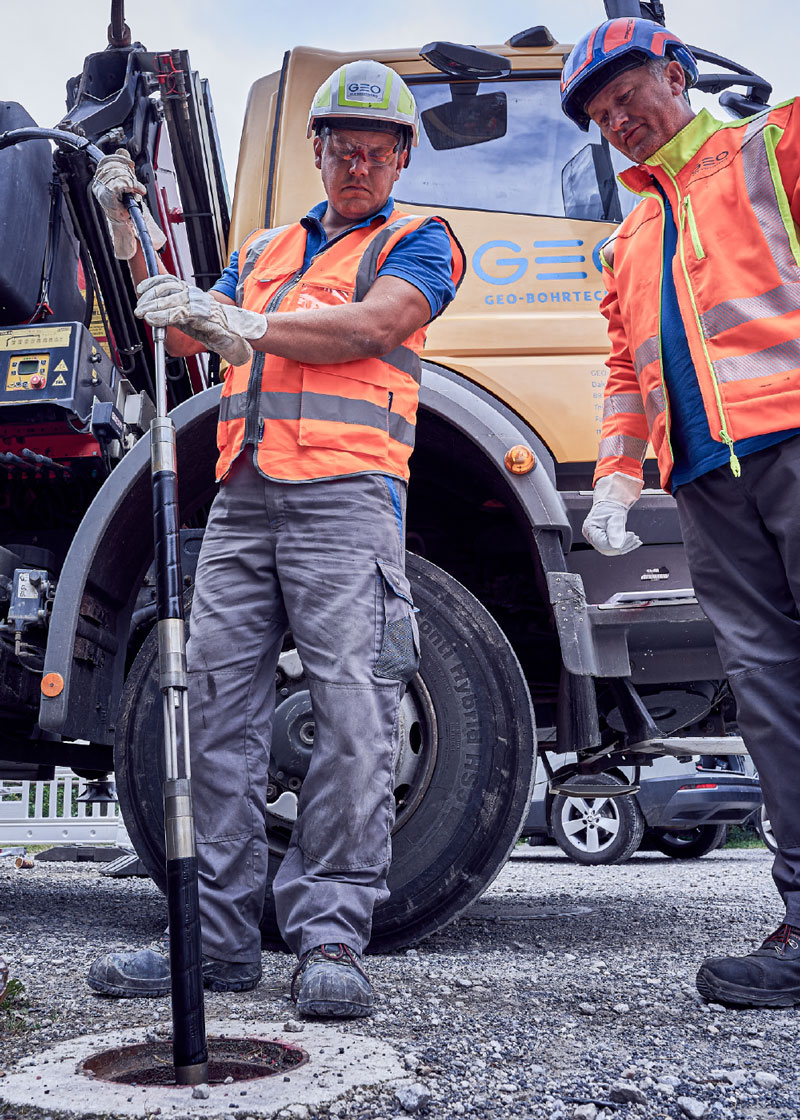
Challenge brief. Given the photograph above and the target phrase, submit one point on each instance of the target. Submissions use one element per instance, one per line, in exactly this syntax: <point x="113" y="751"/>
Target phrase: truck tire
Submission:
<point x="464" y="775"/>
<point x="692" y="844"/>
<point x="597" y="830"/>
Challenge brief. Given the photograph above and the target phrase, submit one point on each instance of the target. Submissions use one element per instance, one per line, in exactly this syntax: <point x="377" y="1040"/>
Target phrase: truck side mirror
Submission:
<point x="588" y="186"/>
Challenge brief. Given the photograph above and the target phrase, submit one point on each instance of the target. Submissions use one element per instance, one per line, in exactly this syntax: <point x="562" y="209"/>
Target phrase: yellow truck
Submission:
<point x="528" y="636"/>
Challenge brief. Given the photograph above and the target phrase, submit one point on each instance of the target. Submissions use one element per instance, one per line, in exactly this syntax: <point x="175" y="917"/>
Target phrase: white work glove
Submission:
<point x="604" y="528"/>
<point x="113" y="178"/>
<point x="165" y="301"/>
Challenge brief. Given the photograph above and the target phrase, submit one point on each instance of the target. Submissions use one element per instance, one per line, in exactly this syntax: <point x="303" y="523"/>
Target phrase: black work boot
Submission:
<point x="230" y="976"/>
<point x="767" y="977"/>
<point x="330" y="983"/>
<point x="145" y="973"/>
<point x="130" y="975"/>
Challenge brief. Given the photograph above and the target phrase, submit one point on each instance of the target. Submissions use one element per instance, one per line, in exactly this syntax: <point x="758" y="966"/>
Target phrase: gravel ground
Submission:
<point x="565" y="992"/>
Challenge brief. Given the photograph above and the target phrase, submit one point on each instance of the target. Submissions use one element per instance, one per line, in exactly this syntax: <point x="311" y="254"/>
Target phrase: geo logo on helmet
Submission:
<point x="363" y="89"/>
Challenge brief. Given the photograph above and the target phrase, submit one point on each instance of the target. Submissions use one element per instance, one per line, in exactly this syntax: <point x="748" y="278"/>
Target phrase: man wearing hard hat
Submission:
<point x="703" y="309"/>
<point x="322" y="322"/>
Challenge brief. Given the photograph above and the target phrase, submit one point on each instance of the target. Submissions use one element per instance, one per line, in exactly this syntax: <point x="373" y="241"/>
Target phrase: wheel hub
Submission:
<point x="292" y="739"/>
<point x="293" y="731"/>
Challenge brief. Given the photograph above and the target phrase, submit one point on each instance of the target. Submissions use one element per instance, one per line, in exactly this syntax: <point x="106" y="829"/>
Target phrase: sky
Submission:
<point x="234" y="42"/>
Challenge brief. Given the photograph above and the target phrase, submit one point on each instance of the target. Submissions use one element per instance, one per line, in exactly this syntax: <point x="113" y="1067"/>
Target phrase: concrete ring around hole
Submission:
<point x="150" y="1063"/>
<point x="58" y="1079"/>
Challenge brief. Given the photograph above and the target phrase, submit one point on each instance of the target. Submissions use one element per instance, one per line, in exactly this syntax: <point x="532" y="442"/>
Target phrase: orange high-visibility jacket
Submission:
<point x="322" y="421"/>
<point x="734" y="188"/>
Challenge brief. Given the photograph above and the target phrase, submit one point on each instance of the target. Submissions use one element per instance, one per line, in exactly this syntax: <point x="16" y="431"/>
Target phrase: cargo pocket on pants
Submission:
<point x="398" y="659"/>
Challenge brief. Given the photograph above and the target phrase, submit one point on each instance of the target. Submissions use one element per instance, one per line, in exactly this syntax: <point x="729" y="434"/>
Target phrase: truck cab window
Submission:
<point x="519" y="158"/>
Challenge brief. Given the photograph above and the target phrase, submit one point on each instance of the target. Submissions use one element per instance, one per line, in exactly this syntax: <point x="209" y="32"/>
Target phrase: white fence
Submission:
<point x="49" y="813"/>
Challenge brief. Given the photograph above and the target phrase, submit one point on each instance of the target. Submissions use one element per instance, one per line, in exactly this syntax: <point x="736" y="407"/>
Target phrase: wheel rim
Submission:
<point x="591" y="824"/>
<point x="293" y="741"/>
<point x="766" y="830"/>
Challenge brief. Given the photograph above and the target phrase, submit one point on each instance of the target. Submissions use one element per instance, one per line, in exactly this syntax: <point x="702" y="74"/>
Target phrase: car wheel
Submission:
<point x="596" y="830"/>
<point x="764" y="829"/>
<point x="463" y="777"/>
<point x="691" y="844"/>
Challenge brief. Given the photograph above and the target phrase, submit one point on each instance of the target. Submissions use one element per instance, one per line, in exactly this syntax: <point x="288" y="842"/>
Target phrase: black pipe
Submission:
<point x="189" y="1048"/>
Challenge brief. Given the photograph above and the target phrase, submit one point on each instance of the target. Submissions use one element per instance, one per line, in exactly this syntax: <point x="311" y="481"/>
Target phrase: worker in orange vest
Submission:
<point x="703" y="318"/>
<point x="322" y="323"/>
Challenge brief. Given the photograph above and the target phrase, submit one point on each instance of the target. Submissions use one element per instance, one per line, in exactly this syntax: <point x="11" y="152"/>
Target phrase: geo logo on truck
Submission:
<point x="557" y="265"/>
<point x="549" y="262"/>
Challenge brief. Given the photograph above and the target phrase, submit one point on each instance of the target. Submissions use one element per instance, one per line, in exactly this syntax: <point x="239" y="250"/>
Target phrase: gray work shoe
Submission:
<point x="330" y="983"/>
<point x="146" y="973"/>
<point x="130" y="975"/>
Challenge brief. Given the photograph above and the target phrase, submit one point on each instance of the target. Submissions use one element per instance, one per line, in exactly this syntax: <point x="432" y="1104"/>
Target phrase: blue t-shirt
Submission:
<point x="693" y="449"/>
<point x="422" y="258"/>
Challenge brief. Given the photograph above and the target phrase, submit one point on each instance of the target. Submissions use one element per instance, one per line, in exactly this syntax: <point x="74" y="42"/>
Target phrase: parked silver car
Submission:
<point x="682" y="808"/>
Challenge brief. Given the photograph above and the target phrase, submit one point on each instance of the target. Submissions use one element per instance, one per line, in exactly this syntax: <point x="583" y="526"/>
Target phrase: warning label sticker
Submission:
<point x="35" y="338"/>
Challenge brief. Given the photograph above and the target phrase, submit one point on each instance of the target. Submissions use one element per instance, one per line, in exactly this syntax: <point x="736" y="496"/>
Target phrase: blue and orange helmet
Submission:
<point x="612" y="48"/>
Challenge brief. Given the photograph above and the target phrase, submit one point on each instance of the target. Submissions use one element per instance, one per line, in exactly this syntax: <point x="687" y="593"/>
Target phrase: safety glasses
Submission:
<point x="347" y="152"/>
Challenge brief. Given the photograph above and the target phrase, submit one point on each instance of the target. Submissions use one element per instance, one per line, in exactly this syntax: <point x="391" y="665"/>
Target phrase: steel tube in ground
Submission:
<point x="189" y="1047"/>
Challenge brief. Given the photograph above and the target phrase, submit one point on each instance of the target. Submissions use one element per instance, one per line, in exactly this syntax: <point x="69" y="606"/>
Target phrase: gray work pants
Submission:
<point x="325" y="559"/>
<point x="743" y="546"/>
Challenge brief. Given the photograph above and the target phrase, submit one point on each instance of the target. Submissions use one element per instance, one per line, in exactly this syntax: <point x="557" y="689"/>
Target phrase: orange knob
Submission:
<point x="520" y="459"/>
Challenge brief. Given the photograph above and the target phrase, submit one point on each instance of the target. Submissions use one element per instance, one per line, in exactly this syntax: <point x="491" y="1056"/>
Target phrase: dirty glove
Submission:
<point x="165" y="301"/>
<point x="604" y="528"/>
<point x="115" y="177"/>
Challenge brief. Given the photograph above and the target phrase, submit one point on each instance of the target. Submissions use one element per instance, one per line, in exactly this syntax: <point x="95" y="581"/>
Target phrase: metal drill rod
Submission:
<point x="189" y="1048"/>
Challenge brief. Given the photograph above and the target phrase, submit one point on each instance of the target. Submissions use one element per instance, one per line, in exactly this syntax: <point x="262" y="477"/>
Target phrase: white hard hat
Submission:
<point x="365" y="91"/>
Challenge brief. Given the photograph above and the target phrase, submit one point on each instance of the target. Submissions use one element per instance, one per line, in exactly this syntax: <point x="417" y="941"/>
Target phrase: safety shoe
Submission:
<point x="767" y="977"/>
<point x="329" y="982"/>
<point x="230" y="976"/>
<point x="130" y="975"/>
<point x="146" y="973"/>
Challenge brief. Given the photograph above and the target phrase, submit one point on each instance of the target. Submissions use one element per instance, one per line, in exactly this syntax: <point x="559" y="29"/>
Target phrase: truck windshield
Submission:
<point x="541" y="164"/>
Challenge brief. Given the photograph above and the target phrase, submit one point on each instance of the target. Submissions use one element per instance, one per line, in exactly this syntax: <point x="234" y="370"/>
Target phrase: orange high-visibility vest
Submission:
<point x="734" y="188"/>
<point x="322" y="421"/>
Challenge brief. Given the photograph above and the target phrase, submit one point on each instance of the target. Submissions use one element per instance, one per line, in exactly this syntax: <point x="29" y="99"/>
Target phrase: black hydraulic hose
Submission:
<point x="190" y="1052"/>
<point x="57" y="135"/>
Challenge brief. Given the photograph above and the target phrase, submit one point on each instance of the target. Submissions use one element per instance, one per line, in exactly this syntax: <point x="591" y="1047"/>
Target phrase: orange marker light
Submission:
<point x="520" y="459"/>
<point x="52" y="684"/>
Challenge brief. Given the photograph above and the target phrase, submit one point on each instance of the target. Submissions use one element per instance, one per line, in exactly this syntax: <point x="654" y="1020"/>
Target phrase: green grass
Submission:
<point x="743" y="836"/>
<point x="13" y="1007"/>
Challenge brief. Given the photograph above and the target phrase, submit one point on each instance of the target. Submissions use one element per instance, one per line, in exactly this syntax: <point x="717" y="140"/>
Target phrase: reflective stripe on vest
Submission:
<point x="623" y="402"/>
<point x="617" y="445"/>
<point x="319" y="406"/>
<point x="761" y="192"/>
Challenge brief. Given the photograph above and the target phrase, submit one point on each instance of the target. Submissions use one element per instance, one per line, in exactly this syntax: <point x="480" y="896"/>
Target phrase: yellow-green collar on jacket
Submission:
<point x="676" y="153"/>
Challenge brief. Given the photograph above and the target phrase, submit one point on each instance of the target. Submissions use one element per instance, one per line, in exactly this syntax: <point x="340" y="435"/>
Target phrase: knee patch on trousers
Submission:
<point x="398" y="659"/>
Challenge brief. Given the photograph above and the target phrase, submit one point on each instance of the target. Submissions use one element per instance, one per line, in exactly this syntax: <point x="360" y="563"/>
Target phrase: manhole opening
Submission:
<point x="150" y="1063"/>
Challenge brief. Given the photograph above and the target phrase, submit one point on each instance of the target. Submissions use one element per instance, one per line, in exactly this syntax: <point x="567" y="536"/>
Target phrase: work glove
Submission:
<point x="115" y="177"/>
<point x="165" y="301"/>
<point x="604" y="528"/>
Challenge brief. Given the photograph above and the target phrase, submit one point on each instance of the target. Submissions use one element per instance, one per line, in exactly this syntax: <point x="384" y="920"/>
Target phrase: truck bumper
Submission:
<point x="649" y="636"/>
